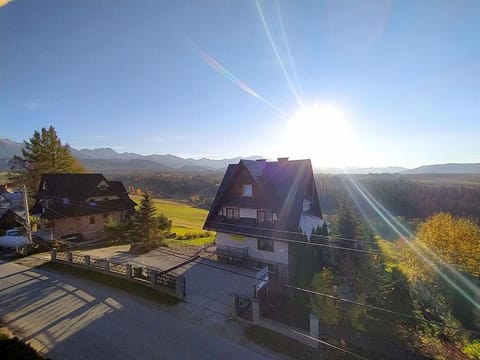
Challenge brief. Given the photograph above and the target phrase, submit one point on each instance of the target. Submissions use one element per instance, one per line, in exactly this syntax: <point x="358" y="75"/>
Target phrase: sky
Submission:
<point x="343" y="82"/>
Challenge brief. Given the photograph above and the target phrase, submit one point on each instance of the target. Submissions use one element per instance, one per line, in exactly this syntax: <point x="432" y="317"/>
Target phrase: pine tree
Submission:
<point x="43" y="154"/>
<point x="146" y="227"/>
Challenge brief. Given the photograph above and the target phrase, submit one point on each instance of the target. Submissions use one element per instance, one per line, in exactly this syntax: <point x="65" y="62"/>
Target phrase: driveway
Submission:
<point x="66" y="317"/>
<point x="210" y="285"/>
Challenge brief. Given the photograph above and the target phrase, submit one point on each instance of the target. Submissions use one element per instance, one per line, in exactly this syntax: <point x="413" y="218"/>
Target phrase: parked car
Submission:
<point x="13" y="239"/>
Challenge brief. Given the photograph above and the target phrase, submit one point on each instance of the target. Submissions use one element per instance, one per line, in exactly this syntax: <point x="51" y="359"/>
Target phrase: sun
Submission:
<point x="320" y="132"/>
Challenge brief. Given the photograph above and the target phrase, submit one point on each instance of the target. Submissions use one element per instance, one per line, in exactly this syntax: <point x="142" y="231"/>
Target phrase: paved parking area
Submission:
<point x="69" y="318"/>
<point x="210" y="285"/>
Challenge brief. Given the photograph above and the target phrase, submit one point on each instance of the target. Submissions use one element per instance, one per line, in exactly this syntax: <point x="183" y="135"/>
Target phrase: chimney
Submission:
<point x="282" y="159"/>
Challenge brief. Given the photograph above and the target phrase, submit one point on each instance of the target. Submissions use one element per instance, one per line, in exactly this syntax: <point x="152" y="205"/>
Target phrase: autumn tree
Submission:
<point x="455" y="240"/>
<point x="42" y="154"/>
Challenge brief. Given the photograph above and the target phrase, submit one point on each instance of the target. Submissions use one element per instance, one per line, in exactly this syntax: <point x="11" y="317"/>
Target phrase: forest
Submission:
<point x="411" y="197"/>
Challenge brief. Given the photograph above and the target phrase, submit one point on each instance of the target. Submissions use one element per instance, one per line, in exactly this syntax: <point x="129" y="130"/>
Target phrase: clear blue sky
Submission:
<point x="381" y="82"/>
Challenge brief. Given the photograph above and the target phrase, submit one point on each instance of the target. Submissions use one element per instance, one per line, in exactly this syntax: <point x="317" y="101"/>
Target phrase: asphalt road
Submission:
<point x="70" y="318"/>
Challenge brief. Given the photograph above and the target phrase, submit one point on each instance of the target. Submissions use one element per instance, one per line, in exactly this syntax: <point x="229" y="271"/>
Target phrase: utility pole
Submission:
<point x="27" y="214"/>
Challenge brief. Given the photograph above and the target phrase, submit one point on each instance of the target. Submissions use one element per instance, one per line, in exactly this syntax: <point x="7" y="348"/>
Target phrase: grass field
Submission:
<point x="185" y="219"/>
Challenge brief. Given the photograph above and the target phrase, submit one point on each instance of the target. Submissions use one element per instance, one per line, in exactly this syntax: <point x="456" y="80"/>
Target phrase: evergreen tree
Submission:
<point x="146" y="227"/>
<point x="43" y="154"/>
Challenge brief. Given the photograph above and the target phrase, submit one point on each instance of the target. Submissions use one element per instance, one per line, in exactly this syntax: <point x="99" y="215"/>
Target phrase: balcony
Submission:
<point x="232" y="252"/>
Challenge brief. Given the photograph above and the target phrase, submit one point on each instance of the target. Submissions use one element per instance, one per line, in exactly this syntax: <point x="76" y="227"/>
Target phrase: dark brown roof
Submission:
<point x="68" y="195"/>
<point x="284" y="184"/>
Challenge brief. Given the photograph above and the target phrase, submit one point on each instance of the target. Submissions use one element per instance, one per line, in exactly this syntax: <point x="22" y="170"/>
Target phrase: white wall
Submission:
<point x="279" y="254"/>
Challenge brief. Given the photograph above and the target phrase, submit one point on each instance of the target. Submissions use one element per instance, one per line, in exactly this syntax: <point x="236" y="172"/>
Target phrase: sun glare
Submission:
<point x="320" y="132"/>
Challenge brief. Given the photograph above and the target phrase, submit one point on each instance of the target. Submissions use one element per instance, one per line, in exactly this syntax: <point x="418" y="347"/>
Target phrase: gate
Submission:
<point x="243" y="307"/>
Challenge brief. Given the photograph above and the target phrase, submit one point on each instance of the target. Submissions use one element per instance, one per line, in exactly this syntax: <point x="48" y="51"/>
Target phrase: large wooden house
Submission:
<point x="260" y="207"/>
<point x="72" y="204"/>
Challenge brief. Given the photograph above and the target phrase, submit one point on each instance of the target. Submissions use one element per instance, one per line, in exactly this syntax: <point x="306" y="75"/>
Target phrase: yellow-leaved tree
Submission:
<point x="455" y="240"/>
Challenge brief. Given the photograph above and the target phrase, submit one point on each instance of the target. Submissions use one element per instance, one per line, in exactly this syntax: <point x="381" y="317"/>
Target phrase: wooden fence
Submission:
<point x="167" y="282"/>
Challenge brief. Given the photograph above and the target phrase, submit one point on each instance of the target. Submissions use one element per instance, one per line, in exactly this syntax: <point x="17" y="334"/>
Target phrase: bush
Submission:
<point x="472" y="350"/>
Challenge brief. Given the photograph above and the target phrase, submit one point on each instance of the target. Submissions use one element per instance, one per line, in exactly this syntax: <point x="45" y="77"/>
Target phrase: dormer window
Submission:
<point x="247" y="190"/>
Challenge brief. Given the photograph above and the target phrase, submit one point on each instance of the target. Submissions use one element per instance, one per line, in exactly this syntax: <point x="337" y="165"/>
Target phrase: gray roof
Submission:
<point x="284" y="184"/>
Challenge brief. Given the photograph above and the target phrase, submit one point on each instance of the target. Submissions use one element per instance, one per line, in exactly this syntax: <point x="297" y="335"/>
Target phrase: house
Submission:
<point x="11" y="219"/>
<point x="260" y="207"/>
<point x="80" y="204"/>
<point x="11" y="199"/>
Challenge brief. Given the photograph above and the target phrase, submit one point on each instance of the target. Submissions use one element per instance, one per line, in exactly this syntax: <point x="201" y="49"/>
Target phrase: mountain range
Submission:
<point x="108" y="160"/>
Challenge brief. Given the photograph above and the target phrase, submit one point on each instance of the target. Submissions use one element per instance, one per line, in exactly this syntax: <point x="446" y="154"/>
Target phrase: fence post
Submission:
<point x="129" y="271"/>
<point x="180" y="287"/>
<point x="53" y="254"/>
<point x="69" y="257"/>
<point x="107" y="266"/>
<point x="86" y="261"/>
<point x="255" y="310"/>
<point x="153" y="277"/>
<point x="314" y="329"/>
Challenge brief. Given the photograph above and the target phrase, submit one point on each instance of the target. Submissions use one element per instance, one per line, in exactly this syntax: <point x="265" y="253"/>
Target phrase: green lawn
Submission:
<point x="185" y="219"/>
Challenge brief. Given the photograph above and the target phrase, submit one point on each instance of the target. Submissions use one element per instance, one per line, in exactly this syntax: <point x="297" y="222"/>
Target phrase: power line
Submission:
<point x="312" y="291"/>
<point x="318" y="236"/>
<point x="305" y="242"/>
<point x="228" y="305"/>
<point x="315" y="236"/>
<point x="379" y="309"/>
<point x="333" y="297"/>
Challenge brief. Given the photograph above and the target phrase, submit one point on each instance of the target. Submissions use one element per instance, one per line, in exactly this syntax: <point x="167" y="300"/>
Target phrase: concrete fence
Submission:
<point x="166" y="282"/>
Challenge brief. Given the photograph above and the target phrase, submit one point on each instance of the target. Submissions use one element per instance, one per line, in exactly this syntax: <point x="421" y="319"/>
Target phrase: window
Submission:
<point x="233" y="213"/>
<point x="247" y="190"/>
<point x="264" y="216"/>
<point x="91" y="220"/>
<point x="105" y="218"/>
<point x="265" y="244"/>
<point x="65" y="201"/>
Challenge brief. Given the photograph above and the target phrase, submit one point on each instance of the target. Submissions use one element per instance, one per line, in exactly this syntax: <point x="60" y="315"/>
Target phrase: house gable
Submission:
<point x="284" y="187"/>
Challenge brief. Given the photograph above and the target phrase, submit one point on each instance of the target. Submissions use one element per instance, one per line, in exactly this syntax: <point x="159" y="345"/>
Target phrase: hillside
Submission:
<point x="108" y="160"/>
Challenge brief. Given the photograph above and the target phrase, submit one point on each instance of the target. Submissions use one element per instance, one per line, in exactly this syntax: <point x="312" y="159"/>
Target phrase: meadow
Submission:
<point x="186" y="220"/>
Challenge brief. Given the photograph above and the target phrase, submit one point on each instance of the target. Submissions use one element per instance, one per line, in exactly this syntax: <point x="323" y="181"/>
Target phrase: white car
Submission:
<point x="13" y="239"/>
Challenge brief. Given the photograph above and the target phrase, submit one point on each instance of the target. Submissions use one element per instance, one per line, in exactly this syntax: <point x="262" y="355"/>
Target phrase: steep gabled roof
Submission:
<point x="285" y="184"/>
<point x="69" y="194"/>
<point x="77" y="186"/>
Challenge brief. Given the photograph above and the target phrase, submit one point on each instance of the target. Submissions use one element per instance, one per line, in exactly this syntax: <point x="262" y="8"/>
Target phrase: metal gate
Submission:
<point x="243" y="307"/>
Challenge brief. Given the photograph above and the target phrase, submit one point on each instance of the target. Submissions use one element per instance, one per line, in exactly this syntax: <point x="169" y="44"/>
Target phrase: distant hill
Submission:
<point x="108" y="160"/>
<point x="446" y="169"/>
<point x="9" y="148"/>
<point x="359" y="170"/>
